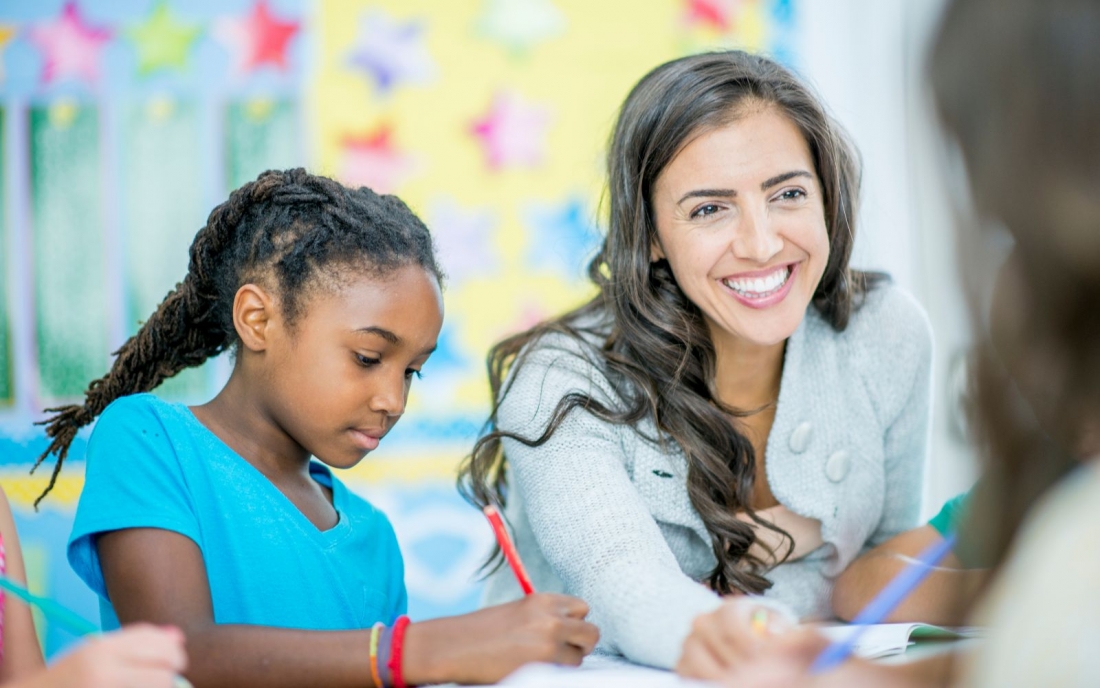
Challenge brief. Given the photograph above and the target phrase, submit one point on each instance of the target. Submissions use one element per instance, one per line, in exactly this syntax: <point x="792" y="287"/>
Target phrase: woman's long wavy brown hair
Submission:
<point x="656" y="348"/>
<point x="1015" y="84"/>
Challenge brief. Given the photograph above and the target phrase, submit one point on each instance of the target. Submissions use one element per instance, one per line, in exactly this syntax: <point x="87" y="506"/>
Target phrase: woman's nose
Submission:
<point x="755" y="238"/>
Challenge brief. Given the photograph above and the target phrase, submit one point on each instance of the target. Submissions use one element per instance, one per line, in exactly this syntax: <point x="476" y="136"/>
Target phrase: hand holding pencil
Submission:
<point x="487" y="645"/>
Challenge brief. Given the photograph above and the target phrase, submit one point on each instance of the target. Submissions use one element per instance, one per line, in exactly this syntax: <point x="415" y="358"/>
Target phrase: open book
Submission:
<point x="882" y="640"/>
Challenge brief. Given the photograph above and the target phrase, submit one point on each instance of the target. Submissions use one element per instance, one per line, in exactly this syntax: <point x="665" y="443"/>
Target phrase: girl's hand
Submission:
<point x="487" y="645"/>
<point x="138" y="656"/>
<point x="730" y="636"/>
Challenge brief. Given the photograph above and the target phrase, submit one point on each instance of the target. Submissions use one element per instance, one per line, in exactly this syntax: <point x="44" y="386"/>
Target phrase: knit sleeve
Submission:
<point x="589" y="520"/>
<point x="909" y="409"/>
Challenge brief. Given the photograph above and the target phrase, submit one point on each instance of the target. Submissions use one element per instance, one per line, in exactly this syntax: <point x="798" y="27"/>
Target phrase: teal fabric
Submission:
<point x="949" y="517"/>
<point x="152" y="464"/>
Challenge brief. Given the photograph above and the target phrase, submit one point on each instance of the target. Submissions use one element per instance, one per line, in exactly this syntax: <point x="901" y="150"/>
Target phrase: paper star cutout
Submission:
<point x="390" y="52"/>
<point x="513" y="132"/>
<point x="373" y="161"/>
<point x="162" y="43"/>
<point x="463" y="239"/>
<point x="6" y="34"/>
<point x="520" y="24"/>
<point x="258" y="39"/>
<point x="70" y="47"/>
<point x="562" y="237"/>
<point x="716" y="14"/>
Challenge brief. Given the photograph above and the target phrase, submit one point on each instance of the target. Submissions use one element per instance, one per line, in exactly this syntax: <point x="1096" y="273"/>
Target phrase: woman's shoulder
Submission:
<point x="888" y="315"/>
<point x="572" y="347"/>
<point x="887" y="344"/>
<point x="887" y="326"/>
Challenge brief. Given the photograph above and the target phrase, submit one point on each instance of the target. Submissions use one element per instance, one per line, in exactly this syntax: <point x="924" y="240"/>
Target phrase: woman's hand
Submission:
<point x="138" y="656"/>
<point x="730" y="636"/>
<point x="487" y="645"/>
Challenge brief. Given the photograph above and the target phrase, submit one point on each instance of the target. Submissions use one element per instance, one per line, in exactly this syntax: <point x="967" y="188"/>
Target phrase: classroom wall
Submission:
<point x="489" y="117"/>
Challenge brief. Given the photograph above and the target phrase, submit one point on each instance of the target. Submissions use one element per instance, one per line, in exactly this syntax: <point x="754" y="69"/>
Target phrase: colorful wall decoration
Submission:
<point x="124" y="123"/>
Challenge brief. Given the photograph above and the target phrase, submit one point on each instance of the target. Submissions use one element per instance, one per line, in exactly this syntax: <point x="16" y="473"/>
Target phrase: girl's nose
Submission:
<point x="389" y="397"/>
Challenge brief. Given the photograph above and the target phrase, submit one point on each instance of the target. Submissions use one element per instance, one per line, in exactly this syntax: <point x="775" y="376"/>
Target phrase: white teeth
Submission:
<point x="760" y="286"/>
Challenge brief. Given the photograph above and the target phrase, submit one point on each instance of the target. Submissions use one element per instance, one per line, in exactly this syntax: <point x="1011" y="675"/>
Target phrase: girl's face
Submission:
<point x="341" y="376"/>
<point x="740" y="218"/>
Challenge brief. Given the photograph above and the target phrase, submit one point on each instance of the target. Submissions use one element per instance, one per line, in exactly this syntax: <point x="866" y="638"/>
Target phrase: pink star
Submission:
<point x="373" y="161"/>
<point x="513" y="132"/>
<point x="713" y="13"/>
<point x="257" y="38"/>
<point x="70" y="46"/>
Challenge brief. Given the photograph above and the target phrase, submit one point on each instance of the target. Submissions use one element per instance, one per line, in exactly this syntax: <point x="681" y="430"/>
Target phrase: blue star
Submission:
<point x="563" y="237"/>
<point x="391" y="52"/>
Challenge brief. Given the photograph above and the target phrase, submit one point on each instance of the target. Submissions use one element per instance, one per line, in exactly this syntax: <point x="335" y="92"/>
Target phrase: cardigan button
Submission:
<point x="800" y="438"/>
<point x="836" y="468"/>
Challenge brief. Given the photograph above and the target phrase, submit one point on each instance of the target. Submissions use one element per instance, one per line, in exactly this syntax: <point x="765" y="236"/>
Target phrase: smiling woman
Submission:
<point x="736" y="411"/>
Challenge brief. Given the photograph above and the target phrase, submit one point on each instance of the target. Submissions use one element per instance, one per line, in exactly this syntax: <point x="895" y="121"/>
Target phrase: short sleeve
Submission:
<point x="949" y="517"/>
<point x="133" y="479"/>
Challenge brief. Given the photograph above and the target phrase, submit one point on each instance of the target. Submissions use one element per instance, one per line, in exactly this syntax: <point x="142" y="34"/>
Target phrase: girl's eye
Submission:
<point x="411" y="371"/>
<point x="367" y="362"/>
<point x="792" y="195"/>
<point x="704" y="210"/>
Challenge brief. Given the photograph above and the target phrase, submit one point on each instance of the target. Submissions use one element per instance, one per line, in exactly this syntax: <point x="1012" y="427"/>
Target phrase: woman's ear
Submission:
<point x="253" y="311"/>
<point x="656" y="253"/>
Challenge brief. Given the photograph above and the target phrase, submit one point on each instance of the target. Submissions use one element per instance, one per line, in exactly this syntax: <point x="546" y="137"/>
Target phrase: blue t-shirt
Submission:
<point x="152" y="464"/>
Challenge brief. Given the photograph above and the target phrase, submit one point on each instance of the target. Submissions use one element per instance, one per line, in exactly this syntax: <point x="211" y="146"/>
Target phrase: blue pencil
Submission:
<point x="884" y="603"/>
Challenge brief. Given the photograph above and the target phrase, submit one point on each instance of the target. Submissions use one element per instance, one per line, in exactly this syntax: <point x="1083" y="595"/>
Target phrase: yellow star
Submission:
<point x="6" y="34"/>
<point x="161" y="42"/>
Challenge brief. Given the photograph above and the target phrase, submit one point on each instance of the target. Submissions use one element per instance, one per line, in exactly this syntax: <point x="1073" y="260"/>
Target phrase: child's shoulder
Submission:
<point x="131" y="406"/>
<point x="138" y="419"/>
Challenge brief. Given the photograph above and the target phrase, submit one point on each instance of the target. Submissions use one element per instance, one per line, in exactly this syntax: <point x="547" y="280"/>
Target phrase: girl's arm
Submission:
<point x="159" y="576"/>
<point x="940" y="599"/>
<point x="22" y="654"/>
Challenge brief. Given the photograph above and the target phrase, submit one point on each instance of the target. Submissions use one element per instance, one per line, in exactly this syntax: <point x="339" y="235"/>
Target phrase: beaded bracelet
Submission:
<point x="375" y="631"/>
<point x="396" y="650"/>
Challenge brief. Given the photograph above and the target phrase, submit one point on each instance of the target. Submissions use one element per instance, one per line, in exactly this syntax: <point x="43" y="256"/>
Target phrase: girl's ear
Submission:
<point x="253" y="311"/>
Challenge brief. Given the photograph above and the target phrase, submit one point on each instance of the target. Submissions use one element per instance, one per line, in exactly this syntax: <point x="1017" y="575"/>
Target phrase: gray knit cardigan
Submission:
<point x="602" y="513"/>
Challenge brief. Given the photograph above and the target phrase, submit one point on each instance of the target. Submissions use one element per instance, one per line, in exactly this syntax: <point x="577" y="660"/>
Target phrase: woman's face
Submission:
<point x="741" y="220"/>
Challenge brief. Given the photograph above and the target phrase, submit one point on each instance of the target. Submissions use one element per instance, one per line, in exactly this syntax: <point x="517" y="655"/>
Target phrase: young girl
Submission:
<point x="1014" y="83"/>
<point x="140" y="655"/>
<point x="736" y="411"/>
<point x="215" y="519"/>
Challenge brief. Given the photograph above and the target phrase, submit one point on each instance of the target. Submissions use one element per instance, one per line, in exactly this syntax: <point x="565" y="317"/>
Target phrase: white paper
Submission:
<point x="883" y="640"/>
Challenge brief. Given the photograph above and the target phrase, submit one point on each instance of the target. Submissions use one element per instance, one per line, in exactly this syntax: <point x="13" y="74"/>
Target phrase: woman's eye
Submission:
<point x="367" y="362"/>
<point x="792" y="195"/>
<point x="411" y="371"/>
<point x="704" y="210"/>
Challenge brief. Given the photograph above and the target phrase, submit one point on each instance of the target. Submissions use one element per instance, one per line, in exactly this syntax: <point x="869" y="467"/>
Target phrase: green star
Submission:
<point x="161" y="42"/>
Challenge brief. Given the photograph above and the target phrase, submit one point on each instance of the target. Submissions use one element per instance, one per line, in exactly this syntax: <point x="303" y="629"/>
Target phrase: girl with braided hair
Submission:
<point x="215" y="518"/>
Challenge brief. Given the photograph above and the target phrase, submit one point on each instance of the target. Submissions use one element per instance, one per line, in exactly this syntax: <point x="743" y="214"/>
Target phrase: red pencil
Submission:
<point x="508" y="548"/>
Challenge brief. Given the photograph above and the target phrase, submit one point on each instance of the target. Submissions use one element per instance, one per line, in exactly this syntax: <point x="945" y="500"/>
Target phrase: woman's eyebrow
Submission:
<point x="780" y="178"/>
<point x="724" y="193"/>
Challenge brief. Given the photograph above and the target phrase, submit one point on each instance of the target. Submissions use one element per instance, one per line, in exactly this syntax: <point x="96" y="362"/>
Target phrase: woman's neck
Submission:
<point x="747" y="375"/>
<point x="248" y="429"/>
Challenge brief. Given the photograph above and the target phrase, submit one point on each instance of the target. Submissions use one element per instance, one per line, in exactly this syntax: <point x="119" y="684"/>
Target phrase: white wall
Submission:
<point x="866" y="59"/>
